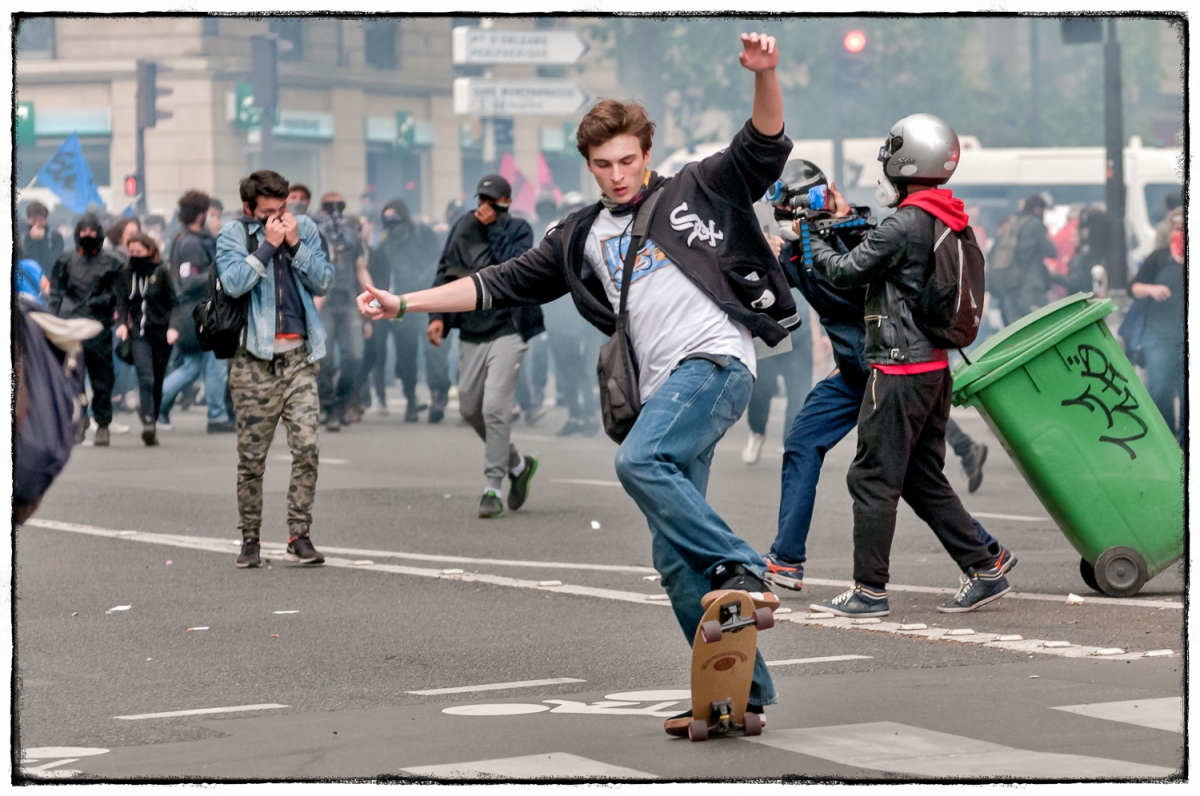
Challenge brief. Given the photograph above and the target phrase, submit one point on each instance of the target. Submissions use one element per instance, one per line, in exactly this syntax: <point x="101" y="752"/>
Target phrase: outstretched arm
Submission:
<point x="760" y="56"/>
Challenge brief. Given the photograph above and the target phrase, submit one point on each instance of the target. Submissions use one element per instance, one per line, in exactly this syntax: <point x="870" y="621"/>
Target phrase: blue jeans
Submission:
<point x="1165" y="381"/>
<point x="216" y="376"/>
<point x="664" y="465"/>
<point x="830" y="413"/>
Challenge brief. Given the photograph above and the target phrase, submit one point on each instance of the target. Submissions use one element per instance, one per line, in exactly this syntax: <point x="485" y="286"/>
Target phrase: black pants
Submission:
<point x="575" y="349"/>
<point x="957" y="439"/>
<point x="901" y="453"/>
<point x="150" y="356"/>
<point x="98" y="361"/>
<point x="410" y="337"/>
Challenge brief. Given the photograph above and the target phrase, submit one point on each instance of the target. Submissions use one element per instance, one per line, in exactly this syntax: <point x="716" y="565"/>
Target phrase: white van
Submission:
<point x="996" y="179"/>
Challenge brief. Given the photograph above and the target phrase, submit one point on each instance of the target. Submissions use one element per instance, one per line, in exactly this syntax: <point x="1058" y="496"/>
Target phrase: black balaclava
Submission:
<point x="89" y="221"/>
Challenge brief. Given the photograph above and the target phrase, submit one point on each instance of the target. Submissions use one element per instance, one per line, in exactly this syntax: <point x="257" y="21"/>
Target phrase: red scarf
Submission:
<point x="941" y="204"/>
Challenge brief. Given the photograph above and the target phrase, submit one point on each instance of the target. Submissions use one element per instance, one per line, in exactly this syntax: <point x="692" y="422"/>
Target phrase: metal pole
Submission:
<point x="1035" y="99"/>
<point x="1114" y="135"/>
<point x="140" y="202"/>
<point x="266" y="153"/>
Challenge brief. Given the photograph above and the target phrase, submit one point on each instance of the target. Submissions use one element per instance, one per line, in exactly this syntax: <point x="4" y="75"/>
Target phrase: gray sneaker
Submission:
<point x="979" y="588"/>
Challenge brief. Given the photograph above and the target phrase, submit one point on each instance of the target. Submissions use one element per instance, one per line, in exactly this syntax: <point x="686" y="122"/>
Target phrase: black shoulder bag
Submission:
<point x="221" y="319"/>
<point x="620" y="398"/>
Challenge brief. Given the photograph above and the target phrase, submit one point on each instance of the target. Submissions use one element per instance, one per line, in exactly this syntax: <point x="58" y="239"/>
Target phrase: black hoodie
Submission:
<point x="86" y="287"/>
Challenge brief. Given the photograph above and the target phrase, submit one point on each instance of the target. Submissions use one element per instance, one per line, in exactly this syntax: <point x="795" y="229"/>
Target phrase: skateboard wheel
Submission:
<point x="752" y="724"/>
<point x="698" y="730"/>
<point x="764" y="618"/>
<point x="710" y="631"/>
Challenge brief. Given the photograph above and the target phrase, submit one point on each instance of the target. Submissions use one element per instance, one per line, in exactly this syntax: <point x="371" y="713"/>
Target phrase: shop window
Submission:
<point x="290" y="29"/>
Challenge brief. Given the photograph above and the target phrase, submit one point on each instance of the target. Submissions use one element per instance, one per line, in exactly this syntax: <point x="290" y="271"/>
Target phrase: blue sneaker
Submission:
<point x="1005" y="560"/>
<point x="858" y="602"/>
<point x="781" y="573"/>
<point x="979" y="588"/>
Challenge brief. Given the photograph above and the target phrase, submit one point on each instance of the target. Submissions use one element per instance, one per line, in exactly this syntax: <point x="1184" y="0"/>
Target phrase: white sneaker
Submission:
<point x="118" y="428"/>
<point x="753" y="449"/>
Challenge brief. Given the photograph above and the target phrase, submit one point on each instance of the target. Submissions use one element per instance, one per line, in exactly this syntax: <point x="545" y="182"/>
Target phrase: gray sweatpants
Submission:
<point x="487" y="383"/>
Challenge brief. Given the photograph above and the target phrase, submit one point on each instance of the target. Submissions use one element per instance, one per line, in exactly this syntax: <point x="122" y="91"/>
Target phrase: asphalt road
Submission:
<point x="419" y="595"/>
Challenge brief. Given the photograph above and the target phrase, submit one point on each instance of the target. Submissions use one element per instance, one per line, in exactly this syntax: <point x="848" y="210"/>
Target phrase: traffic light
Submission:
<point x="853" y="62"/>
<point x="148" y="93"/>
<point x="131" y="185"/>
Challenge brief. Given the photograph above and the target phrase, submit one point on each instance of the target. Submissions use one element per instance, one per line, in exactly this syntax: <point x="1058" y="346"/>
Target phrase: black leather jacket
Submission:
<point x="893" y="262"/>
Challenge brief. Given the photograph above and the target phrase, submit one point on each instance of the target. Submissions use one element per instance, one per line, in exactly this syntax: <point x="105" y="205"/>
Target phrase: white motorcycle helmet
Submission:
<point x="920" y="148"/>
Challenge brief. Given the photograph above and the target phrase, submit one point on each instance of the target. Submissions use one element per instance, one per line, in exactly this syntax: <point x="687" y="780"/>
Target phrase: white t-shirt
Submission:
<point x="669" y="317"/>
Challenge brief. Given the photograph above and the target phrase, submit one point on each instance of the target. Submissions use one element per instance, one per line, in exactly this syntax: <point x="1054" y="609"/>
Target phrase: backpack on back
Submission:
<point x="221" y="319"/>
<point x="950" y="306"/>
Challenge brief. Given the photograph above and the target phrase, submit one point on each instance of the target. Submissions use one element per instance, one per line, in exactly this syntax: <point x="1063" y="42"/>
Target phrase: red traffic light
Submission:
<point x="131" y="186"/>
<point x="855" y="41"/>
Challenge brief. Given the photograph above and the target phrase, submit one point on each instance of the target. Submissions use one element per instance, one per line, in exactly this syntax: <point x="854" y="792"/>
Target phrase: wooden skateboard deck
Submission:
<point x="723" y="655"/>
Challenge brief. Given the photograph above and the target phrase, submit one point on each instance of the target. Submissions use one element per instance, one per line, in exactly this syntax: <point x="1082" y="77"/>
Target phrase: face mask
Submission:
<point x="886" y="194"/>
<point x="297" y="208"/>
<point x="141" y="263"/>
<point x="1177" y="243"/>
<point x="391" y="221"/>
<point x="499" y="208"/>
<point x="333" y="208"/>
<point x="90" y="245"/>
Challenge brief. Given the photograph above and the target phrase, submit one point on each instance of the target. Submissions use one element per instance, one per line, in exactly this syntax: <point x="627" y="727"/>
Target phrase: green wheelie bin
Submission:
<point x="1059" y="393"/>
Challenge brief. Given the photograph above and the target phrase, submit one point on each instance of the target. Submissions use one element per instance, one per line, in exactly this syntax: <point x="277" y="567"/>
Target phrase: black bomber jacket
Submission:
<point x="704" y="222"/>
<point x="893" y="262"/>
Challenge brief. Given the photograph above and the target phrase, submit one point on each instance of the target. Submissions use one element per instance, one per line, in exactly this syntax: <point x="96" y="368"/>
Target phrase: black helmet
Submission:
<point x="802" y="186"/>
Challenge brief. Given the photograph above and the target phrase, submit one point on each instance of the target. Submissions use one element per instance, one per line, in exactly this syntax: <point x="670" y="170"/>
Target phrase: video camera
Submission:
<point x="802" y="194"/>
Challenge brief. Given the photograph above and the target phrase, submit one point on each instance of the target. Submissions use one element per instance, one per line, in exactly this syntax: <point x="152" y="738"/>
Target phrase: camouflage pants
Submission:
<point x="265" y="392"/>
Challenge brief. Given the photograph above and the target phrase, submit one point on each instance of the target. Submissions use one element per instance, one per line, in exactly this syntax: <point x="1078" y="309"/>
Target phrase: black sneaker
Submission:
<point x="519" y="491"/>
<point x="332" y="424"/>
<point x="149" y="434"/>
<point x="858" y="602"/>
<point x="490" y="506"/>
<point x="979" y="588"/>
<point x="249" y="557"/>
<point x="973" y="465"/>
<point x="412" y="412"/>
<point x="300" y="549"/>
<point x="730" y="575"/>
<point x="101" y="440"/>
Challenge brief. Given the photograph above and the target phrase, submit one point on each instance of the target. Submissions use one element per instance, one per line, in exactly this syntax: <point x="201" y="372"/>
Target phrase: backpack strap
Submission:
<point x="252" y="245"/>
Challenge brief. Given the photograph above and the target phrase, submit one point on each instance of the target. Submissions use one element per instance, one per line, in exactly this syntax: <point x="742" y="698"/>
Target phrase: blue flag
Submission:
<point x="68" y="175"/>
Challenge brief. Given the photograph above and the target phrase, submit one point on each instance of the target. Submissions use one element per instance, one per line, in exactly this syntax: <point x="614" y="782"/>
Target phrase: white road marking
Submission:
<point x="497" y="686"/>
<point x="584" y="482"/>
<point x="286" y="612"/>
<point x="1015" y="595"/>
<point x="283" y="457"/>
<point x="901" y="749"/>
<point x="43" y="752"/>
<point x="988" y="639"/>
<point x="495" y="710"/>
<point x="987" y="516"/>
<point x="118" y="608"/>
<point x="1159" y="714"/>
<point x="201" y="711"/>
<point x="828" y="659"/>
<point x="557" y="765"/>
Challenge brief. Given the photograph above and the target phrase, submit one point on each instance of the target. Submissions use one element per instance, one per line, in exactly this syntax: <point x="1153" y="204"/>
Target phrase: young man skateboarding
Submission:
<point x="702" y="285"/>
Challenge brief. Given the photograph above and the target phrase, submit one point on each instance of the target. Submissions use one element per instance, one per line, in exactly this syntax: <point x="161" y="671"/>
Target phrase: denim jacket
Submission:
<point x="241" y="272"/>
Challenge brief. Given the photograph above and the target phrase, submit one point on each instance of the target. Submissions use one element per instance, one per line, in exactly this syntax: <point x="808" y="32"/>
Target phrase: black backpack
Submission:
<point x="221" y="319"/>
<point x="950" y="305"/>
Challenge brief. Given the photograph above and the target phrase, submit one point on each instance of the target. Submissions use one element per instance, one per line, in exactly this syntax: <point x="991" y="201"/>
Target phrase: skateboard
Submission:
<point x="723" y="654"/>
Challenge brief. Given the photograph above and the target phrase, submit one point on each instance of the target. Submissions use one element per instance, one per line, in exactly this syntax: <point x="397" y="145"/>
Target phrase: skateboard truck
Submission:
<point x="732" y="621"/>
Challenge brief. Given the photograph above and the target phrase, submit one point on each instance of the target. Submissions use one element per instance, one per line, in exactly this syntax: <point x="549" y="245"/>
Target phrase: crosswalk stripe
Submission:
<point x="555" y="765"/>
<point x="901" y="749"/>
<point x="1159" y="714"/>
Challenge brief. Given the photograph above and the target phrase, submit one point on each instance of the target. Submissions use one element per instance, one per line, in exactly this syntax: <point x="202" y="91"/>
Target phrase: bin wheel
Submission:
<point x="1120" y="572"/>
<point x="1088" y="573"/>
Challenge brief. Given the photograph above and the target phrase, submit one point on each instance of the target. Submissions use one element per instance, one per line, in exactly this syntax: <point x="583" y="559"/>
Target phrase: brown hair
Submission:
<point x="609" y="119"/>
<point x="192" y="205"/>
<point x="118" y="229"/>
<point x="150" y="244"/>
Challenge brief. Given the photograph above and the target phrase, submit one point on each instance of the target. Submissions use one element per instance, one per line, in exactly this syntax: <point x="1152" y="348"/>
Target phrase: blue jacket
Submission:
<point x="241" y="272"/>
<point x="840" y="311"/>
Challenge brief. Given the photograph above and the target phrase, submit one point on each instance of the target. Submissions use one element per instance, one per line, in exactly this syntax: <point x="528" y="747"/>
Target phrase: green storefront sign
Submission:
<point x="406" y="129"/>
<point x="248" y="115"/>
<point x="25" y="131"/>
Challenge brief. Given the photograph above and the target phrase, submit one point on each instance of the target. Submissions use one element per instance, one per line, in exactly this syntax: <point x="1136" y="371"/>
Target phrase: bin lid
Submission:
<point x="1023" y="340"/>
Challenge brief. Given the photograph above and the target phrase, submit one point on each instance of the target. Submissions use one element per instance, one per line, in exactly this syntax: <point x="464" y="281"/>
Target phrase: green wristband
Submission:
<point x="403" y="308"/>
